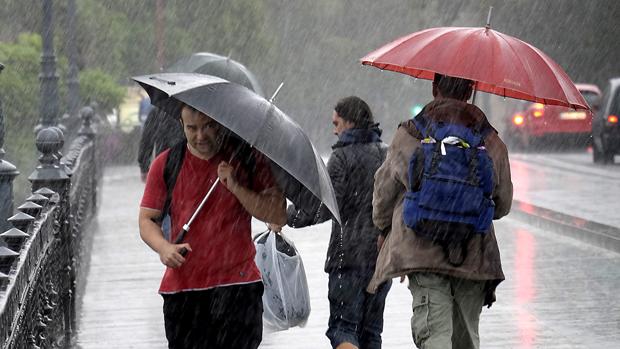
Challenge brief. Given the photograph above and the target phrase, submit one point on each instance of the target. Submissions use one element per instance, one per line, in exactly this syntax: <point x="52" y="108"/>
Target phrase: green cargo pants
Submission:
<point x="446" y="311"/>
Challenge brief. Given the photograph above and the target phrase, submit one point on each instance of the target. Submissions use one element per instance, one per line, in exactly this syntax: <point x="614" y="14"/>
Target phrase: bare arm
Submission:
<point x="269" y="205"/>
<point x="152" y="235"/>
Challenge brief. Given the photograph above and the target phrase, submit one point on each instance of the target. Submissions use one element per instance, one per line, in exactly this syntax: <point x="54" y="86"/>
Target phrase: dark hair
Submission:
<point x="452" y="87"/>
<point x="355" y="110"/>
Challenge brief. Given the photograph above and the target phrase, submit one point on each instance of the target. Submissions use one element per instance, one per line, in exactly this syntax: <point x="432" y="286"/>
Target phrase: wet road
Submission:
<point x="569" y="183"/>
<point x="559" y="292"/>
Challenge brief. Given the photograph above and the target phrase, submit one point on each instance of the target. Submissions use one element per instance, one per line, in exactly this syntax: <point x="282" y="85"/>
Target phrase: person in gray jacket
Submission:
<point x="356" y="316"/>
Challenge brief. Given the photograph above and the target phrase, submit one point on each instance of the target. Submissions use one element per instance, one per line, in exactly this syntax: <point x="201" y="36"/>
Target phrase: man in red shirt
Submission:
<point x="212" y="295"/>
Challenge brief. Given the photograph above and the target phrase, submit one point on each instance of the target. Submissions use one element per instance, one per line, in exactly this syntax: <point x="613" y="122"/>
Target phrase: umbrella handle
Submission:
<point x="179" y="239"/>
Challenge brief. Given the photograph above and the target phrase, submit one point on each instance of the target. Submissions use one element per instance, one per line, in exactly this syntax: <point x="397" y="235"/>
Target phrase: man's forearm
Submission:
<point x="268" y="206"/>
<point x="152" y="234"/>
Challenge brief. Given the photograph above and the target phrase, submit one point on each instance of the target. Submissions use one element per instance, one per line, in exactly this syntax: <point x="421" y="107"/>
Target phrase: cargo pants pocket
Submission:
<point x="419" y="320"/>
<point x="431" y="323"/>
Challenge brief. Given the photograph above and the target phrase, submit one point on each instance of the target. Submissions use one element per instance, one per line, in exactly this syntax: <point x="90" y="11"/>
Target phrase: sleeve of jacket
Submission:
<point x="336" y="167"/>
<point x="502" y="193"/>
<point x="147" y="141"/>
<point x="389" y="184"/>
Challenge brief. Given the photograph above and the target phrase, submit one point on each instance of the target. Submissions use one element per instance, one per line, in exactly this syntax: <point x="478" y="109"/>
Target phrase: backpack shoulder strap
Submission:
<point x="421" y="123"/>
<point x="485" y="129"/>
<point x="174" y="161"/>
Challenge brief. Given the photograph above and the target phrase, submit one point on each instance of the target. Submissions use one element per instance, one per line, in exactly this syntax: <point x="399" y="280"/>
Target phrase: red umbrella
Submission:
<point x="498" y="63"/>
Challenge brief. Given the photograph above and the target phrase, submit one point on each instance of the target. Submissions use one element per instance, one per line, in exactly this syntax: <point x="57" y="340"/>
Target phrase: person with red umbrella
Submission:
<point x="448" y="293"/>
<point x="449" y="284"/>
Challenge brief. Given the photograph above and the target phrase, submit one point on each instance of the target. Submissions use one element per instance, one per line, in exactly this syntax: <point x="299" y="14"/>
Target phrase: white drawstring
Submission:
<point x="449" y="140"/>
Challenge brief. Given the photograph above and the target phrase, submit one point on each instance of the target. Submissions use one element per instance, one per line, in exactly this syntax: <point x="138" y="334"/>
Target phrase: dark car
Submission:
<point x="540" y="122"/>
<point x="605" y="126"/>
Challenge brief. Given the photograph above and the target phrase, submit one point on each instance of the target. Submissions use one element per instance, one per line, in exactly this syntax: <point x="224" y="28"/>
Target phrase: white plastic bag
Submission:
<point x="286" y="300"/>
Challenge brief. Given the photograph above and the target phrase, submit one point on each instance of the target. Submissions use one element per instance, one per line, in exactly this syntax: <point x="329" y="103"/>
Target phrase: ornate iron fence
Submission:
<point x="47" y="249"/>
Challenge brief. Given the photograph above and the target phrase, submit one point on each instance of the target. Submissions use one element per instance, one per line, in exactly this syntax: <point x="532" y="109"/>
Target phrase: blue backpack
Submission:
<point x="451" y="181"/>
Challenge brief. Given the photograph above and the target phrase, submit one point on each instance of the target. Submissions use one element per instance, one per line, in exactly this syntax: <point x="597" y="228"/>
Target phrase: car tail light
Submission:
<point x="539" y="109"/>
<point x="612" y="119"/>
<point x="518" y="119"/>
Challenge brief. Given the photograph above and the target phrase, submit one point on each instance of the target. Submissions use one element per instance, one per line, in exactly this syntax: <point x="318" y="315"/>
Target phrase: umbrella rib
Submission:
<point x="516" y="54"/>
<point x="557" y="74"/>
<point x="436" y="37"/>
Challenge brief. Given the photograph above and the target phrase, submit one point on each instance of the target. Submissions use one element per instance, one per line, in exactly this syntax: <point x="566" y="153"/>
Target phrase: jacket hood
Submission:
<point x="372" y="134"/>
<point x="450" y="111"/>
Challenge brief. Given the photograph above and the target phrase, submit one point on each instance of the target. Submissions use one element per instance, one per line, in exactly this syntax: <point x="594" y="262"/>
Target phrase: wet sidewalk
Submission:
<point x="558" y="293"/>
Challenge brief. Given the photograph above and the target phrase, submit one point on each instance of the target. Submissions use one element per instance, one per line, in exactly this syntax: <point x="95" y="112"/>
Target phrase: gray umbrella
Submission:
<point x="298" y="168"/>
<point x="213" y="64"/>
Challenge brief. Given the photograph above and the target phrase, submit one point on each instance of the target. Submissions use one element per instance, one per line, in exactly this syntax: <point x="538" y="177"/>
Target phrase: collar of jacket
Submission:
<point x="371" y="134"/>
<point x="452" y="111"/>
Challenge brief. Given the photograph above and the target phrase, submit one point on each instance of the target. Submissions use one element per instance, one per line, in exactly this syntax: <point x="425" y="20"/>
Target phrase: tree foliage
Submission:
<point x="96" y="85"/>
<point x="19" y="89"/>
<point x="315" y="46"/>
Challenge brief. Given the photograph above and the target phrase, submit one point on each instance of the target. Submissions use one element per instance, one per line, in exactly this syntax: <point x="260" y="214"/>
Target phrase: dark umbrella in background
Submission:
<point x="213" y="64"/>
<point x="297" y="166"/>
<point x="160" y="131"/>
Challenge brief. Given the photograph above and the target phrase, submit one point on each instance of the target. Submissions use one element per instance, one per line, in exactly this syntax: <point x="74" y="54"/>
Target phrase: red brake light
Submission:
<point x="518" y="119"/>
<point x="612" y="119"/>
<point x="539" y="109"/>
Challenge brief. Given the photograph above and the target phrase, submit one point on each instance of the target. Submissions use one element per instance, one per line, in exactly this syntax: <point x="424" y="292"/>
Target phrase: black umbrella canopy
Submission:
<point x="299" y="169"/>
<point x="213" y="64"/>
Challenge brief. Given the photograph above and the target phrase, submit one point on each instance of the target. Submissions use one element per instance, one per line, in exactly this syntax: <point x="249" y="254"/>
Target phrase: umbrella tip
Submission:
<point x="276" y="93"/>
<point x="488" y="26"/>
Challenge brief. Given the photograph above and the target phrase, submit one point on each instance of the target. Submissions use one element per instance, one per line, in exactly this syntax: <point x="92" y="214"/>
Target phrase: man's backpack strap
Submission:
<point x="171" y="172"/>
<point x="485" y="129"/>
<point x="421" y="123"/>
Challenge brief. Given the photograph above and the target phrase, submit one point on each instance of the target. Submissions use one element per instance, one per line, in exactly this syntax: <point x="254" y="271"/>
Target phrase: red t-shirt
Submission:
<point x="220" y="236"/>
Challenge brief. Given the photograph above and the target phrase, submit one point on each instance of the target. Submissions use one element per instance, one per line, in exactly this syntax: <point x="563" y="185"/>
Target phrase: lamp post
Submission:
<point x="8" y="172"/>
<point x="73" y="83"/>
<point x="48" y="78"/>
<point x="50" y="138"/>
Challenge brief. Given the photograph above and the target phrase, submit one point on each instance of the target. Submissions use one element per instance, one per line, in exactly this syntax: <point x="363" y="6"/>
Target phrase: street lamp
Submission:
<point x="48" y="78"/>
<point x="73" y="84"/>
<point x="8" y="172"/>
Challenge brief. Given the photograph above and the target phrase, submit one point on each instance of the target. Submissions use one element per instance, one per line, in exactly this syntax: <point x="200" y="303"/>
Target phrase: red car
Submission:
<point x="540" y="122"/>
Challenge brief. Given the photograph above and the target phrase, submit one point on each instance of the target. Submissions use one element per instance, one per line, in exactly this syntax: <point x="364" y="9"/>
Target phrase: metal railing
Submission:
<point x="46" y="251"/>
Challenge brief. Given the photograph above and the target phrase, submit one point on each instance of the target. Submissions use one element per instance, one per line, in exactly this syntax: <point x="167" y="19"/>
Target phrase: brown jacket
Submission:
<point x="403" y="252"/>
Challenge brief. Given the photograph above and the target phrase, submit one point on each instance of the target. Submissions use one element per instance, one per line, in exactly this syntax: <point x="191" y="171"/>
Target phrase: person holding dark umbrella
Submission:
<point x="160" y="131"/>
<point x="212" y="288"/>
<point x="243" y="155"/>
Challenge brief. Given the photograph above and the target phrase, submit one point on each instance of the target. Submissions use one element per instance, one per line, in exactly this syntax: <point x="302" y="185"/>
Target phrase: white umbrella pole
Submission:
<point x="187" y="225"/>
<point x="202" y="203"/>
<point x="276" y="93"/>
